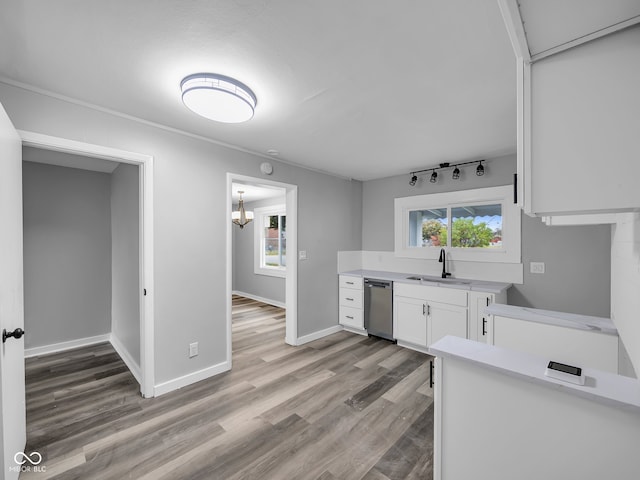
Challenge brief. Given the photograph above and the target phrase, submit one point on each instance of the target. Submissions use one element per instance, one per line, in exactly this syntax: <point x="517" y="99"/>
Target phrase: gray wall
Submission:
<point x="577" y="258"/>
<point x="125" y="255"/>
<point x="190" y="214"/>
<point x="244" y="278"/>
<point x="67" y="254"/>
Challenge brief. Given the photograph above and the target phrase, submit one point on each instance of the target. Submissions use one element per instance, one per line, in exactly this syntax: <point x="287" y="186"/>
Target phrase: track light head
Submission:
<point x="434" y="177"/>
<point x="480" y="170"/>
<point x="413" y="180"/>
<point x="456" y="174"/>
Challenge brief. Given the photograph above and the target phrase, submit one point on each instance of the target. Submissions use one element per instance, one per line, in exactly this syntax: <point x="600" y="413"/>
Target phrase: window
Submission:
<point x="476" y="225"/>
<point x="270" y="241"/>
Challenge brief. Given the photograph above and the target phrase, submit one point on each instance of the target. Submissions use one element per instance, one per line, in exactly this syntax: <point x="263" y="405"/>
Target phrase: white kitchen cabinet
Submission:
<point x="444" y="319"/>
<point x="410" y="320"/>
<point x="350" y="297"/>
<point x="582" y="348"/>
<point x="479" y="321"/>
<point x="424" y="314"/>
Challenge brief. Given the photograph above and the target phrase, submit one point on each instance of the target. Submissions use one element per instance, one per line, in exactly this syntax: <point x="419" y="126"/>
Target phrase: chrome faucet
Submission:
<point x="443" y="260"/>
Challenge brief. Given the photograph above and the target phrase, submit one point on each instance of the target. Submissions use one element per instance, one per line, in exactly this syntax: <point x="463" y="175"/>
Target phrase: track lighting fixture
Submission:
<point x="455" y="175"/>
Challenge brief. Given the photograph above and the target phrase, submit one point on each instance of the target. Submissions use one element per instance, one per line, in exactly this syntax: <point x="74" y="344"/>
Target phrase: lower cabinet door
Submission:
<point x="410" y="320"/>
<point x="446" y="320"/>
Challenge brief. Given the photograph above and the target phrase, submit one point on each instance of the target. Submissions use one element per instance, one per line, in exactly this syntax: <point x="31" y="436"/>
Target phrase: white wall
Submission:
<point x="67" y="253"/>
<point x="190" y="212"/>
<point x="245" y="279"/>
<point x="125" y="255"/>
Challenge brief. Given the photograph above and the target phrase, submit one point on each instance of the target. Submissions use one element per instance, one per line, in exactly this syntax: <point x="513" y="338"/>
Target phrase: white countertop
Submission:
<point x="604" y="387"/>
<point x="569" y="320"/>
<point x="432" y="280"/>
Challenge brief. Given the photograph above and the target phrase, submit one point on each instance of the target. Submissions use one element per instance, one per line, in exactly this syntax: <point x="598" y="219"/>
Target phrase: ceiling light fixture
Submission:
<point x="455" y="174"/>
<point x="217" y="97"/>
<point x="241" y="217"/>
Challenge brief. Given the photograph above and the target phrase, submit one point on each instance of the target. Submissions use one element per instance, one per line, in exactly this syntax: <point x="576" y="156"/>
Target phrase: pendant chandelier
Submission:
<point x="241" y="217"/>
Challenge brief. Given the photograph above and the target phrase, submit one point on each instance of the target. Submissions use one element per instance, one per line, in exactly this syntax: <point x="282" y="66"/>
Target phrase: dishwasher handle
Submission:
<point x="377" y="283"/>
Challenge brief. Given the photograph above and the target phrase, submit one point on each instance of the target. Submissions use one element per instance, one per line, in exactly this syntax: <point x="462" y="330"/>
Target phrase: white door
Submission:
<point x="12" y="396"/>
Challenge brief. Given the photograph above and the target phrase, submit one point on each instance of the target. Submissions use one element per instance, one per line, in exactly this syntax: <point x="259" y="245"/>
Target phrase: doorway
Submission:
<point x="83" y="154"/>
<point x="290" y="193"/>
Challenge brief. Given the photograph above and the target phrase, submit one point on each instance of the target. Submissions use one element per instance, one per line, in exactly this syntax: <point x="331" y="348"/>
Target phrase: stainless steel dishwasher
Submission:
<point x="378" y="308"/>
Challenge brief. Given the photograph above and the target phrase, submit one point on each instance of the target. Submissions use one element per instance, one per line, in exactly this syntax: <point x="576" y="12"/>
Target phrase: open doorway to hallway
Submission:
<point x="262" y="264"/>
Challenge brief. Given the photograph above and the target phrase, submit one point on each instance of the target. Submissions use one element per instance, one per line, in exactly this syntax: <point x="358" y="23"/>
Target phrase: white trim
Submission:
<point x="603" y="32"/>
<point x="145" y="163"/>
<point x="268" y="301"/>
<point x="291" y="281"/>
<point x="581" y="219"/>
<point x="190" y="378"/>
<point x="515" y="29"/>
<point x="258" y="238"/>
<point x="63" y="346"/>
<point x="128" y="360"/>
<point x="354" y="330"/>
<point x="511" y="222"/>
<point x="166" y="128"/>
<point x="319" y="334"/>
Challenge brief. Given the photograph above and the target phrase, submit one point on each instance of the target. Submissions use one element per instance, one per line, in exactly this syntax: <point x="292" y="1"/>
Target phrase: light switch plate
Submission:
<point x="193" y="349"/>
<point x="536" y="267"/>
<point x="302" y="255"/>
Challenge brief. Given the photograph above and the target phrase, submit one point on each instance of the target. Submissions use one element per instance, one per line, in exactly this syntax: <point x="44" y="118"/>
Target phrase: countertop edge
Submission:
<point x="607" y="388"/>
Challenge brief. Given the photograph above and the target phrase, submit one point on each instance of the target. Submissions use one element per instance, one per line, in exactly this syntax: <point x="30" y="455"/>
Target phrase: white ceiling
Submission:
<point x="361" y="88"/>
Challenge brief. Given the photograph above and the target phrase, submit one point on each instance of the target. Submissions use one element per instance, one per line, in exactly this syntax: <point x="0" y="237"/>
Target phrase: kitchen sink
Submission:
<point x="449" y="281"/>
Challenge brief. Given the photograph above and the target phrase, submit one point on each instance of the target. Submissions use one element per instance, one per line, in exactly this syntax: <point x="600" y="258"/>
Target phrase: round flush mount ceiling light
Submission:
<point x="218" y="97"/>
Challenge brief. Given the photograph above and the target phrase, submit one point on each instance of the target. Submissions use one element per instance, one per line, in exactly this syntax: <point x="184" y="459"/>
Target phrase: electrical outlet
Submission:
<point x="302" y="255"/>
<point x="536" y="267"/>
<point x="193" y="349"/>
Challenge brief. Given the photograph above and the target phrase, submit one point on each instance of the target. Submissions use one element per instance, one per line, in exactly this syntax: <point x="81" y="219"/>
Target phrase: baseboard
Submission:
<point x="268" y="301"/>
<point x="356" y="330"/>
<point x="62" y="346"/>
<point x="317" y="335"/>
<point x="190" y="378"/>
<point x="131" y="364"/>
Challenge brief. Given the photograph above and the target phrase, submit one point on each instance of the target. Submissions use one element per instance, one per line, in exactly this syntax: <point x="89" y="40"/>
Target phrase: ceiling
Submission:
<point x="361" y="89"/>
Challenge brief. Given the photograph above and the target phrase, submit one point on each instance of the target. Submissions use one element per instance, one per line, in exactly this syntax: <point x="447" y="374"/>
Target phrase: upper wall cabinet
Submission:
<point x="578" y="104"/>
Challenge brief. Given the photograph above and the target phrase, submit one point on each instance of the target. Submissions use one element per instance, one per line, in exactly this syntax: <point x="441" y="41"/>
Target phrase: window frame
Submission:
<point x="510" y="251"/>
<point x="259" y="266"/>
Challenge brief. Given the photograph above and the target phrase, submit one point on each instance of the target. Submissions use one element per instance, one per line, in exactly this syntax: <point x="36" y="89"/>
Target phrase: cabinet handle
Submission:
<point x="484" y="327"/>
<point x="487" y="301"/>
<point x="350" y="299"/>
<point x="349" y="317"/>
<point x="424" y="309"/>
<point x="428" y="309"/>
<point x="349" y="283"/>
<point x="430" y="373"/>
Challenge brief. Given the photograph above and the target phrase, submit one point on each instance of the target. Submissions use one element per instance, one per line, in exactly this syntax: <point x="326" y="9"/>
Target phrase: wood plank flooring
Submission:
<point x="343" y="407"/>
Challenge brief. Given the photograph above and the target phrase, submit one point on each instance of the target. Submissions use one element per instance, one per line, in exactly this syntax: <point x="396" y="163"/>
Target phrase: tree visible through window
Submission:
<point x="275" y="241"/>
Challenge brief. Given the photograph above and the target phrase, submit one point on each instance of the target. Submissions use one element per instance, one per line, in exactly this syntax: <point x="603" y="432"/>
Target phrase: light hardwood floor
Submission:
<point x="343" y="407"/>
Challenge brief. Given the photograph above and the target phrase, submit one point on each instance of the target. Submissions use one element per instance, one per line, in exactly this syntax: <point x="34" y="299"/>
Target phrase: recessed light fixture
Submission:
<point x="218" y="97"/>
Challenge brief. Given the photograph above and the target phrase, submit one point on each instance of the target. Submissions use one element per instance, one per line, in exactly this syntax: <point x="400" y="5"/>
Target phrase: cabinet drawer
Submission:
<point x="351" y="317"/>
<point x="451" y="296"/>
<point x="350" y="297"/>
<point x="347" y="281"/>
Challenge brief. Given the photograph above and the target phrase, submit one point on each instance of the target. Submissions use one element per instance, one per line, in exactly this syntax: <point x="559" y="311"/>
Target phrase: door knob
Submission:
<point x="17" y="333"/>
